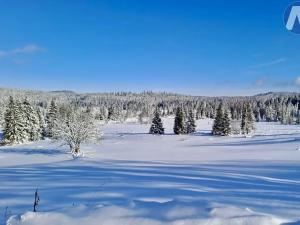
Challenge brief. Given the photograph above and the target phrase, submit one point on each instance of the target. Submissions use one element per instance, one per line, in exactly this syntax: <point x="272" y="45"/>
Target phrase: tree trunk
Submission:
<point x="77" y="149"/>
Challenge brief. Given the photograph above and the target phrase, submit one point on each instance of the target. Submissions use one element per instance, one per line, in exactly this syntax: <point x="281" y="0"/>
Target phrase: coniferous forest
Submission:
<point x="34" y="115"/>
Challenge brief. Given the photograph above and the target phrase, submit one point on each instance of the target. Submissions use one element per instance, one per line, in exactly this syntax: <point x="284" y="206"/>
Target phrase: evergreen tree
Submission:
<point x="226" y="124"/>
<point x="23" y="131"/>
<point x="42" y="128"/>
<point x="142" y="116"/>
<point x="51" y="118"/>
<point x="179" y="122"/>
<point x="191" y="124"/>
<point x="298" y="117"/>
<point x="250" y="117"/>
<point x="270" y="113"/>
<point x="31" y="120"/>
<point x="222" y="124"/>
<point x="101" y="114"/>
<point x="247" y="123"/>
<point x="157" y="125"/>
<point x="111" y="113"/>
<point x="218" y="126"/>
<point x="244" y="121"/>
<point x="13" y="123"/>
<point x="286" y="114"/>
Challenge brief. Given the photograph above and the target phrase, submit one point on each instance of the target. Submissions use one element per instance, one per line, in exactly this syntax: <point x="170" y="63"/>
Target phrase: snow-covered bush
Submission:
<point x="74" y="127"/>
<point x="235" y="127"/>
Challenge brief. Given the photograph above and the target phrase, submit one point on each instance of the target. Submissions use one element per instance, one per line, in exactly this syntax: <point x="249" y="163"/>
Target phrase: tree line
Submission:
<point x="184" y="122"/>
<point x="31" y="116"/>
<point x="119" y="106"/>
<point x="74" y="125"/>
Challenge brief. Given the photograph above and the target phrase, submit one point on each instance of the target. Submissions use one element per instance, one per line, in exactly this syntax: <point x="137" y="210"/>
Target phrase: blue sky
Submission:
<point x="188" y="46"/>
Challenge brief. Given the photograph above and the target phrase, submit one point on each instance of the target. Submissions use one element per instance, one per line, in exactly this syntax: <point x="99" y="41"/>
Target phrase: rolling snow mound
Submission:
<point x="170" y="213"/>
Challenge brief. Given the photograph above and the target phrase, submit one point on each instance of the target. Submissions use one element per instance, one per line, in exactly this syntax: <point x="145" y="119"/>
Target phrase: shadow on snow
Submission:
<point x="268" y="187"/>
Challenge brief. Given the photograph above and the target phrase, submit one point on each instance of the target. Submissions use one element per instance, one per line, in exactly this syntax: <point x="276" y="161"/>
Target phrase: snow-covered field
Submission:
<point x="133" y="178"/>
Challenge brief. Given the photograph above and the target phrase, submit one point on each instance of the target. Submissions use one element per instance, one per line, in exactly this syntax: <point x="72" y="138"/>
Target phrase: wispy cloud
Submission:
<point x="27" y="49"/>
<point x="260" y="82"/>
<point x="285" y="83"/>
<point x="297" y="81"/>
<point x="3" y="54"/>
<point x="270" y="63"/>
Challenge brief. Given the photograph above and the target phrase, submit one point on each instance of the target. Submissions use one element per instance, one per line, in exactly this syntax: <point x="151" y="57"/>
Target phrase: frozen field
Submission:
<point x="133" y="178"/>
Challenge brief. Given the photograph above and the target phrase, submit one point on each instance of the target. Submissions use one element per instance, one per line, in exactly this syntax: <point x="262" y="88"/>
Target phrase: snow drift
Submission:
<point x="170" y="213"/>
<point x="133" y="178"/>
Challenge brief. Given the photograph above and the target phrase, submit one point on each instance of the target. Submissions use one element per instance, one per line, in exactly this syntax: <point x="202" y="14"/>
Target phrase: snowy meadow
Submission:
<point x="132" y="177"/>
<point x="149" y="112"/>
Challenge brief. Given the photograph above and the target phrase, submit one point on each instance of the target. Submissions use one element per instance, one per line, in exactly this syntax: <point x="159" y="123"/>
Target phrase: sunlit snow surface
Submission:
<point x="134" y="178"/>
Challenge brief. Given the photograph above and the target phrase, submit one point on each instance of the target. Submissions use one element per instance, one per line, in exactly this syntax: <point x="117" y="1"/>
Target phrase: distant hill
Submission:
<point x="56" y="93"/>
<point x="269" y="106"/>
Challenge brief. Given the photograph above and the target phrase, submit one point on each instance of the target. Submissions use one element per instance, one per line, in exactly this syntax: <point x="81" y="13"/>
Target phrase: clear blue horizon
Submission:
<point x="191" y="47"/>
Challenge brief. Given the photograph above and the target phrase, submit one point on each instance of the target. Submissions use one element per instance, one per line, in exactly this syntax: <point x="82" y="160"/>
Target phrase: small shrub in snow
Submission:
<point x="36" y="200"/>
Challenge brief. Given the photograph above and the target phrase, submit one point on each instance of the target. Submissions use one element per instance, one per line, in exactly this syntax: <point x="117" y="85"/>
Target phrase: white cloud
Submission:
<point x="297" y="81"/>
<point x="271" y="63"/>
<point x="3" y="54"/>
<point x="260" y="82"/>
<point x="27" y="49"/>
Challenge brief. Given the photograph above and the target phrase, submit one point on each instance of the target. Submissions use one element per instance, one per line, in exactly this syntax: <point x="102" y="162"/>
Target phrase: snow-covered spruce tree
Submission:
<point x="226" y="123"/>
<point x="190" y="124"/>
<point x="21" y="113"/>
<point x="218" y="122"/>
<point x="114" y="113"/>
<point x="222" y="122"/>
<point x="247" y="123"/>
<point x="51" y="118"/>
<point x="244" y="122"/>
<point x="101" y="114"/>
<point x="157" y="125"/>
<point x="250" y="116"/>
<point x="74" y="127"/>
<point x="298" y="117"/>
<point x="145" y="115"/>
<point x="110" y="114"/>
<point x="31" y="121"/>
<point x="42" y="127"/>
<point x="13" y="123"/>
<point x="286" y="114"/>
<point x="270" y="114"/>
<point x="179" y="122"/>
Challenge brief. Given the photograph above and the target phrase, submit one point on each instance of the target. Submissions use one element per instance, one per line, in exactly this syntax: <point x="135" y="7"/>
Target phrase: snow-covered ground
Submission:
<point x="133" y="178"/>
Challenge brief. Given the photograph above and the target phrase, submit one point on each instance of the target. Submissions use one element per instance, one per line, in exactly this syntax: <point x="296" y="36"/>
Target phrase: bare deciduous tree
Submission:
<point x="75" y="127"/>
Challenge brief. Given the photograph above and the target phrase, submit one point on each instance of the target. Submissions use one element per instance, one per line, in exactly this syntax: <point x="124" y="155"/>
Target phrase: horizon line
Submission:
<point x="144" y="91"/>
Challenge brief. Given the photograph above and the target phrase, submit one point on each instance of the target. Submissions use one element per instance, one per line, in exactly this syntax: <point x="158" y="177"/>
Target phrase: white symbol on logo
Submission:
<point x="294" y="15"/>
